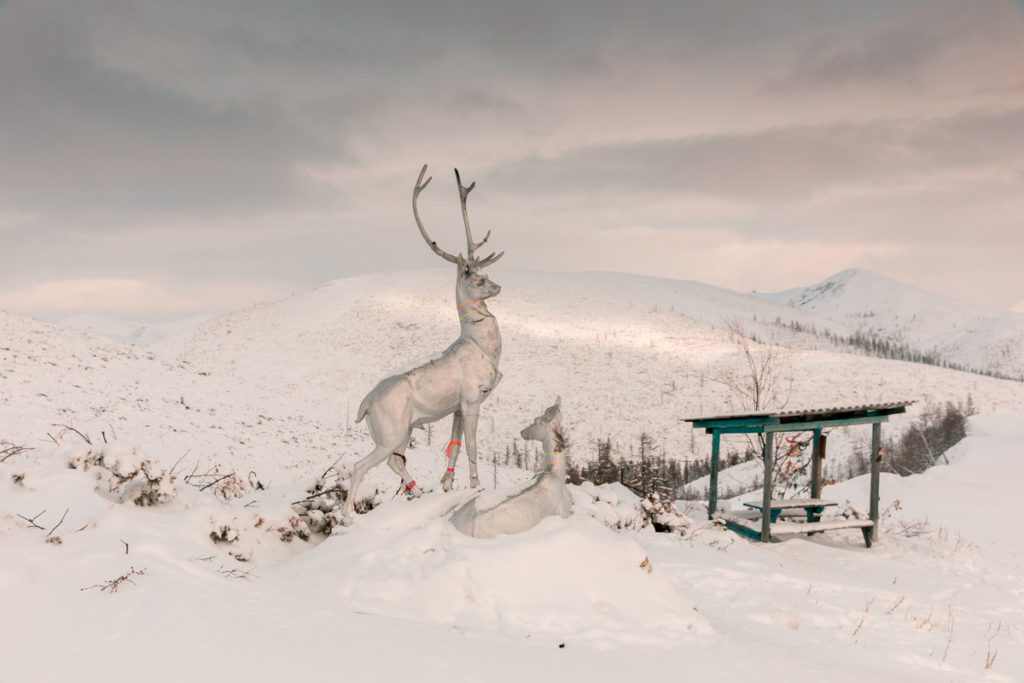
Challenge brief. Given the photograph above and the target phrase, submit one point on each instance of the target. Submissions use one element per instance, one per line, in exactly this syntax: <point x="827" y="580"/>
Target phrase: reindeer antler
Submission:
<point x="415" y="212"/>
<point x="471" y="246"/>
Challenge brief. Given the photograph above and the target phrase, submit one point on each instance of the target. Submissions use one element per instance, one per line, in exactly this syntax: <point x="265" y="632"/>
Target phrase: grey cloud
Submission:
<point x="777" y="165"/>
<point x="894" y="57"/>
<point x="899" y="45"/>
<point x="77" y="137"/>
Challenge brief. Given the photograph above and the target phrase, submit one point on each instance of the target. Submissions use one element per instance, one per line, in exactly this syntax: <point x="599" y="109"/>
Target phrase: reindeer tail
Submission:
<point x="364" y="408"/>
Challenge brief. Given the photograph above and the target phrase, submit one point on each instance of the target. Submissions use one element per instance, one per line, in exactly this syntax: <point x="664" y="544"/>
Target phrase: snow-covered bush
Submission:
<point x="323" y="508"/>
<point x="664" y="516"/>
<point x="123" y="474"/>
<point x="617" y="507"/>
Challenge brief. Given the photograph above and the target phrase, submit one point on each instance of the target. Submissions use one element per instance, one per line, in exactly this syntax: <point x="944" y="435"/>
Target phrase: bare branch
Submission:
<point x="236" y="573"/>
<point x="171" y="471"/>
<point x="58" y="523"/>
<point x="114" y="584"/>
<point x="68" y="428"/>
<point x="220" y="478"/>
<point x="33" y="520"/>
<point x="9" y="450"/>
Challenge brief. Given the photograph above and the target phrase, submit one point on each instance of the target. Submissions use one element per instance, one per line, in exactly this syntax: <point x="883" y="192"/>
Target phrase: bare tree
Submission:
<point x="757" y="380"/>
<point x="454" y="384"/>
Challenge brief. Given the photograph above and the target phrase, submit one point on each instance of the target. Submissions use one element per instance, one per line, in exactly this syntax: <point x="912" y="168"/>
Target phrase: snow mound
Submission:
<point x="565" y="578"/>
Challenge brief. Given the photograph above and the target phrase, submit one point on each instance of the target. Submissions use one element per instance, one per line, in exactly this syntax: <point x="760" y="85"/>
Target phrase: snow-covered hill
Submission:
<point x="952" y="331"/>
<point x="131" y="332"/>
<point x="280" y="382"/>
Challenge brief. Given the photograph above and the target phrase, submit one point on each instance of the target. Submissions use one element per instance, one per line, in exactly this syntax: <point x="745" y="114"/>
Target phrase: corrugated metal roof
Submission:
<point x="810" y="413"/>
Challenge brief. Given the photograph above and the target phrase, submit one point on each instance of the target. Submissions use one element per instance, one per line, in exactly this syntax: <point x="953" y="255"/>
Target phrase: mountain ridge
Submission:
<point x="943" y="329"/>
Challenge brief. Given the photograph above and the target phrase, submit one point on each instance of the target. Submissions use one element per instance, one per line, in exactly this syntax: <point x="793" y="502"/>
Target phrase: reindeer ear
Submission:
<point x="558" y="401"/>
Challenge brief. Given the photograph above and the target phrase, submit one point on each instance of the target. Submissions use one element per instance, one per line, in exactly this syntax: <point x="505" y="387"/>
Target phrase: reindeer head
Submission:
<point x="472" y="284"/>
<point x="550" y="421"/>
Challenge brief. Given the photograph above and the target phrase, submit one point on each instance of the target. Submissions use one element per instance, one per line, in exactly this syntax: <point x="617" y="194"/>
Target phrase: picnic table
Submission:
<point x="747" y="524"/>
<point x="813" y="506"/>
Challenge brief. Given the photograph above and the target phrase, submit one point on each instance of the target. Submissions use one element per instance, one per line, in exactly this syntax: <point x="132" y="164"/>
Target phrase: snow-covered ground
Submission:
<point x="241" y="417"/>
<point x="401" y="594"/>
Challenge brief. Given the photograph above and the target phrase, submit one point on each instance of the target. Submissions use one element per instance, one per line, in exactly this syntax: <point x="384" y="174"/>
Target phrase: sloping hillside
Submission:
<point x="627" y="354"/>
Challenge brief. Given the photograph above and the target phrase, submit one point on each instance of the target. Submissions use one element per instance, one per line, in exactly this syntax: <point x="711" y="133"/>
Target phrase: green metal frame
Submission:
<point x="769" y="423"/>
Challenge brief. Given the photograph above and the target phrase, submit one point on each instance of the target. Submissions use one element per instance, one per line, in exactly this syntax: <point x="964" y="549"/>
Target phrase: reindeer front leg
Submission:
<point x="471" y="415"/>
<point x="452" y="451"/>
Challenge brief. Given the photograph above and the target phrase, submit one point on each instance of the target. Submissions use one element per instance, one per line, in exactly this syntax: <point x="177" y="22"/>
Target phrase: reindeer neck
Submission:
<point x="554" y="458"/>
<point x="480" y="326"/>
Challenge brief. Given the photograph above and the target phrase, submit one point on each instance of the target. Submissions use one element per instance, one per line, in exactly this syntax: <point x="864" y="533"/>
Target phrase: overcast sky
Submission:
<point x="160" y="159"/>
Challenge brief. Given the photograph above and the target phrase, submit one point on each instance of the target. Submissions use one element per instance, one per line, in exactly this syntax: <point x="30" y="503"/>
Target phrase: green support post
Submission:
<point x="817" y="453"/>
<point x="766" y="498"/>
<point x="716" y="439"/>
<point x="876" y="463"/>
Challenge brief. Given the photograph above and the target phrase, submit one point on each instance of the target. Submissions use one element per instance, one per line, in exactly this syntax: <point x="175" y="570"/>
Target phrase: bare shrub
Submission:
<point x="925" y="442"/>
<point x="114" y="584"/>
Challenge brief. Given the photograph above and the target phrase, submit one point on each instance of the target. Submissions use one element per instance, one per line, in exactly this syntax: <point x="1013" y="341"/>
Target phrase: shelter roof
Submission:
<point x="795" y="420"/>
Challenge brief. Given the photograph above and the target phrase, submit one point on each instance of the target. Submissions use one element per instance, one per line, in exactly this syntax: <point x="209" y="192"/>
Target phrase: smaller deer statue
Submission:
<point x="544" y="496"/>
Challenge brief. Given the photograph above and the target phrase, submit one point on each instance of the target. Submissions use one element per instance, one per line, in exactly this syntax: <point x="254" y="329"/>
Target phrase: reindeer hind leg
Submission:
<point x="359" y="470"/>
<point x="396" y="461"/>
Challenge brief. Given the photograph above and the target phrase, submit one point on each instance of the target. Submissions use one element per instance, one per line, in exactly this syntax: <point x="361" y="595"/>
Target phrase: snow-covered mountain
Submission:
<point x="948" y="330"/>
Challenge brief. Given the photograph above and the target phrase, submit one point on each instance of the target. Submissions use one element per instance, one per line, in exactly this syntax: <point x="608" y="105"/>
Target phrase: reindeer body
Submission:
<point x="459" y="378"/>
<point x="544" y="496"/>
<point x="455" y="383"/>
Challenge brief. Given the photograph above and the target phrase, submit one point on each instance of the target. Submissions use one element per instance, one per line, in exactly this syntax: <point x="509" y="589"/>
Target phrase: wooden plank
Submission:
<point x="784" y="503"/>
<point x="753" y="515"/>
<point x="727" y="422"/>
<point x="743" y="526"/>
<point x="742" y="429"/>
<point x="812" y="527"/>
<point x="811" y="425"/>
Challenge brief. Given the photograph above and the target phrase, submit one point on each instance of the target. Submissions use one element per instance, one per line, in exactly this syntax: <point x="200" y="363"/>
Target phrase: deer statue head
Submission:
<point x="472" y="285"/>
<point x="547" y="426"/>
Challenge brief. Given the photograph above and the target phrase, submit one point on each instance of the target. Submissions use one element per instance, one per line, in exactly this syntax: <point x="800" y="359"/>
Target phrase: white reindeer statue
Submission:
<point x="545" y="495"/>
<point x="455" y="383"/>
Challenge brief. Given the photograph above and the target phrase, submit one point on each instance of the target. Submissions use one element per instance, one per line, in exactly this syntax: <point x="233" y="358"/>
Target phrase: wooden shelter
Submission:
<point x="769" y="423"/>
